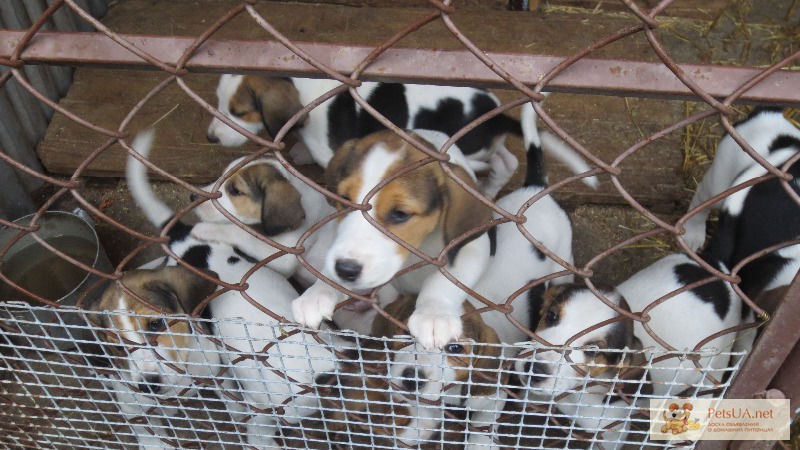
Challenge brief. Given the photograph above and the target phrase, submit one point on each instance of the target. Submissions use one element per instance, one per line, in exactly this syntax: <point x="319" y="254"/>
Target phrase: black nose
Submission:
<point x="151" y="384"/>
<point x="411" y="381"/>
<point x="348" y="269"/>
<point x="212" y="138"/>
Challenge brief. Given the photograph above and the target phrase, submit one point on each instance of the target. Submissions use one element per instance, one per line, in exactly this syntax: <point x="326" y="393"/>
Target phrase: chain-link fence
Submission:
<point x="376" y="265"/>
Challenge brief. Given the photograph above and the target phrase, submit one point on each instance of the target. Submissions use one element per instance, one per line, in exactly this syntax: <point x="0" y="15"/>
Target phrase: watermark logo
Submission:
<point x="719" y="419"/>
<point x="676" y="419"/>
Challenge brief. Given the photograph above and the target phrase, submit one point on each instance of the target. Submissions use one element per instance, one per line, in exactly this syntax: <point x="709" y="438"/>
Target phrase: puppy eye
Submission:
<point x="454" y="349"/>
<point x="397" y="216"/>
<point x="157" y="325"/>
<point x="551" y="318"/>
<point x="233" y="190"/>
<point x="238" y="113"/>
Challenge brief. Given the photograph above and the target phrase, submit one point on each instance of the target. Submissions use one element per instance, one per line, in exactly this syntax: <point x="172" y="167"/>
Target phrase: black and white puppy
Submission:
<point x="770" y="134"/>
<point x="762" y="216"/>
<point x="255" y="102"/>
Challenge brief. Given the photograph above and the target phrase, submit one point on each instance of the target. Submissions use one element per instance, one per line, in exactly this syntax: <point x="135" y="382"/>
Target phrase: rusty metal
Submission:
<point x="588" y="75"/>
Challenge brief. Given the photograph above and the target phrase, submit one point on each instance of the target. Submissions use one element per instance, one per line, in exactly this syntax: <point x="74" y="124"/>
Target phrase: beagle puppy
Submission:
<point x="254" y="103"/>
<point x="260" y="194"/>
<point x="759" y="217"/>
<point x="600" y="355"/>
<point x="771" y="135"/>
<point x="356" y="410"/>
<point x="157" y="354"/>
<point x="466" y="374"/>
<point x="425" y="209"/>
<point x="516" y="260"/>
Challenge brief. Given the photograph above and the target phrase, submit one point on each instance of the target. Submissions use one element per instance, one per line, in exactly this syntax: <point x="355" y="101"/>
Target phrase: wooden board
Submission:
<point x="604" y="124"/>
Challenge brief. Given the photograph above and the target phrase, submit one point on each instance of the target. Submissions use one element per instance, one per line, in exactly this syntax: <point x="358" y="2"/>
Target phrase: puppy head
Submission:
<point x="466" y="363"/>
<point x="566" y="311"/>
<point x="355" y="408"/>
<point x="158" y="348"/>
<point x="423" y="205"/>
<point x="259" y="193"/>
<point x="252" y="102"/>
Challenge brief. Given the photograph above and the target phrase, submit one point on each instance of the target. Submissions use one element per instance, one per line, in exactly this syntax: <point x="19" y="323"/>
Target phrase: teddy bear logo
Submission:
<point x="677" y="419"/>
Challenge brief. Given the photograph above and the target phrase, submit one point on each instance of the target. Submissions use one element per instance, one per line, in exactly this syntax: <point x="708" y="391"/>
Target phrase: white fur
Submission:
<point x="314" y="132"/>
<point x="730" y="161"/>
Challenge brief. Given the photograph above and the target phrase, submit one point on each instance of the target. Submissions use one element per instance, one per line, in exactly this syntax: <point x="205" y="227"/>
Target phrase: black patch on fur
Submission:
<point x="233" y="260"/>
<point x="346" y="121"/>
<point x="453" y="252"/>
<point x="539" y="254"/>
<point x="245" y="256"/>
<point x="450" y="115"/>
<point x="197" y="256"/>
<point x="784" y="141"/>
<point x="535" y="172"/>
<point x="535" y="303"/>
<point x="769" y="216"/>
<point x="179" y="232"/>
<point x="713" y="292"/>
<point x="492" y="233"/>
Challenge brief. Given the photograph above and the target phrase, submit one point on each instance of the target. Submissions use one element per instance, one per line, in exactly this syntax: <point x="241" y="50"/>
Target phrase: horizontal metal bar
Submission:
<point x="589" y="75"/>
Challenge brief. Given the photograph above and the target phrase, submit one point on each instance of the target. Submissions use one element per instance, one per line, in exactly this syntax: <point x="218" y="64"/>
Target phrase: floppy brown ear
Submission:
<point x="188" y="288"/>
<point x="281" y="205"/>
<point x="462" y="211"/>
<point x="401" y="309"/>
<point x="687" y="406"/>
<point x="487" y="361"/>
<point x="340" y="166"/>
<point x="276" y="99"/>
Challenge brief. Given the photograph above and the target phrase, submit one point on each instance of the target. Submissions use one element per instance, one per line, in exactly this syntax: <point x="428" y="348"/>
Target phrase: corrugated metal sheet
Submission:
<point x="23" y="119"/>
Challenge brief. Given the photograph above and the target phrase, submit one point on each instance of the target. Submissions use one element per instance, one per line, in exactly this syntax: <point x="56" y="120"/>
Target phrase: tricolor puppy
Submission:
<point x="424" y="208"/>
<point x="599" y="355"/>
<point x="158" y="355"/>
<point x="465" y="374"/>
<point x="356" y="410"/>
<point x="260" y="194"/>
<point x="759" y="217"/>
<point x="255" y="103"/>
<point x="770" y="134"/>
<point x="516" y="260"/>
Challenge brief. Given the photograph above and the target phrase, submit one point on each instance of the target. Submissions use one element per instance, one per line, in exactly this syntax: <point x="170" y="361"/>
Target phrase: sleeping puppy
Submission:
<point x="466" y="375"/>
<point x="770" y="134"/>
<point x="158" y="356"/>
<point x="602" y="354"/>
<point x="262" y="195"/>
<point x="424" y="208"/>
<point x="254" y="103"/>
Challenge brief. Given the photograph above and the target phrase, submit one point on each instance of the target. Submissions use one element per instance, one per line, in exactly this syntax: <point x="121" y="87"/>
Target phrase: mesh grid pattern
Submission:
<point x="322" y="389"/>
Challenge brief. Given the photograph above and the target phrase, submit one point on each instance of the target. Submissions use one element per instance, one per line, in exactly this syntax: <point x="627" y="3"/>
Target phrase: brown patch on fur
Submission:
<point x="481" y="363"/>
<point x="271" y="101"/>
<point x="431" y="198"/>
<point x="261" y="192"/>
<point x="169" y="290"/>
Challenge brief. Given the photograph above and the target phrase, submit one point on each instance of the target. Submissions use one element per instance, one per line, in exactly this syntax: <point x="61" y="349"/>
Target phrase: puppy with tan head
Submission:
<point x="158" y="355"/>
<point x="465" y="374"/>
<point x="565" y="374"/>
<point x="423" y="209"/>
<point x="265" y="201"/>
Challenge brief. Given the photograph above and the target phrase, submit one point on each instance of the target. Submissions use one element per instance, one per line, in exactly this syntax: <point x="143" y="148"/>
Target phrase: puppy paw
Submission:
<point x="695" y="234"/>
<point x="434" y="330"/>
<point x="314" y="306"/>
<point x="502" y="165"/>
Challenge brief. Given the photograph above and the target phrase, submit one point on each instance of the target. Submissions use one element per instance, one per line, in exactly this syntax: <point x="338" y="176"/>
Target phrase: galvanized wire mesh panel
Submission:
<point x="140" y="366"/>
